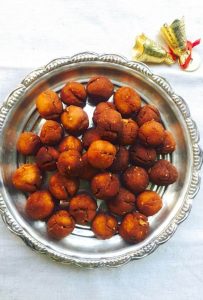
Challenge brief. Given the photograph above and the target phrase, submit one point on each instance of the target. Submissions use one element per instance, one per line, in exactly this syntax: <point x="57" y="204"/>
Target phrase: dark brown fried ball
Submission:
<point x="104" y="226"/>
<point x="100" y="108"/>
<point x="39" y="205"/>
<point x="74" y="93"/>
<point x="90" y="135"/>
<point x="75" y="120"/>
<point x="99" y="88"/>
<point x="60" y="225"/>
<point x="46" y="158"/>
<point x="134" y="227"/>
<point x="127" y="100"/>
<point x="169" y="144"/>
<point x="105" y="185"/>
<point x="136" y="179"/>
<point x="163" y="173"/>
<point x="51" y="133"/>
<point x="121" y="160"/>
<point x="142" y="156"/>
<point x="70" y="143"/>
<point x="129" y="132"/>
<point x="149" y="203"/>
<point x="83" y="208"/>
<point x="27" y="178"/>
<point x="63" y="187"/>
<point x="87" y="171"/>
<point x="69" y="163"/>
<point x="28" y="143"/>
<point x="151" y="133"/>
<point x="123" y="203"/>
<point x="101" y="154"/>
<point x="49" y="105"/>
<point x="147" y="113"/>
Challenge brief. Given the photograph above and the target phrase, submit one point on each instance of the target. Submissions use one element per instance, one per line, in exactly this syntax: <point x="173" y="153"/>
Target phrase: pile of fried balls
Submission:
<point x="117" y="156"/>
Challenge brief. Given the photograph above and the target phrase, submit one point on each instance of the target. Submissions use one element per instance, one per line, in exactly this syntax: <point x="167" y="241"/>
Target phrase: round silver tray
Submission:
<point x="82" y="248"/>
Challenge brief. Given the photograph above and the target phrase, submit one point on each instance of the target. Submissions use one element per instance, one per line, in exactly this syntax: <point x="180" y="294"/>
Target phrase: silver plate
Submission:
<point x="82" y="248"/>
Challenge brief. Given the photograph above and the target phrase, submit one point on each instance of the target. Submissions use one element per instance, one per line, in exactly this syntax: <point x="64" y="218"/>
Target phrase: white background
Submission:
<point x="31" y="34"/>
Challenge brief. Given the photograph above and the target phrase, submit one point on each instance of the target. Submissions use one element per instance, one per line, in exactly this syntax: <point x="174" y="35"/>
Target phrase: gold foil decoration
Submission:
<point x="146" y="50"/>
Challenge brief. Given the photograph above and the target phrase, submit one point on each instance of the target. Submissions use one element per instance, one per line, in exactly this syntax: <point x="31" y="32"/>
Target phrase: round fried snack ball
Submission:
<point x="90" y="135"/>
<point x="74" y="93"/>
<point x="100" y="108"/>
<point x="69" y="163"/>
<point x="169" y="144"/>
<point x="74" y="120"/>
<point x="60" y="225"/>
<point x="121" y="160"/>
<point x="83" y="208"/>
<point x="142" y="156"/>
<point x="46" y="158"/>
<point x="27" y="178"/>
<point x="49" y="105"/>
<point x="123" y="203"/>
<point x="87" y="171"/>
<point x="105" y="185"/>
<point x="104" y="226"/>
<point x="147" y="113"/>
<point x="149" y="203"/>
<point x="70" y="143"/>
<point x="51" y="133"/>
<point x="63" y="187"/>
<point x="99" y="88"/>
<point x="151" y="133"/>
<point x="134" y="227"/>
<point x="28" y="143"/>
<point x="101" y="154"/>
<point x="127" y="100"/>
<point x="163" y="173"/>
<point x="39" y="205"/>
<point x="136" y="179"/>
<point x="129" y="132"/>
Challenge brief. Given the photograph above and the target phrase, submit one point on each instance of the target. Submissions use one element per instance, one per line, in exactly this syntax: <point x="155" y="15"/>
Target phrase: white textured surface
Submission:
<point x="31" y="34"/>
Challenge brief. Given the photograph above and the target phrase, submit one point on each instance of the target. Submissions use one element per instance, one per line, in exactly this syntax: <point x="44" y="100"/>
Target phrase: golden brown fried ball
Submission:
<point x="136" y="179"/>
<point x="74" y="93"/>
<point x="123" y="203"/>
<point x="151" y="133"/>
<point x="100" y="108"/>
<point x="49" y="105"/>
<point x="63" y="187"/>
<point x="134" y="227"/>
<point x="83" y="208"/>
<point x="46" y="158"/>
<point x="51" y="133"/>
<point x="142" y="156"/>
<point x="127" y="100"/>
<point x="60" y="225"/>
<point x="99" y="88"/>
<point x="149" y="203"/>
<point x="90" y="135"/>
<point x="70" y="143"/>
<point x="27" y="178"/>
<point x="101" y="154"/>
<point x="75" y="120"/>
<point x="69" y="163"/>
<point x="105" y="185"/>
<point x="129" y="132"/>
<point x="28" y="143"/>
<point x="147" y="113"/>
<point x="104" y="226"/>
<point x="168" y="145"/>
<point x="87" y="171"/>
<point x="39" y="205"/>
<point x="121" y="160"/>
<point x="163" y="173"/>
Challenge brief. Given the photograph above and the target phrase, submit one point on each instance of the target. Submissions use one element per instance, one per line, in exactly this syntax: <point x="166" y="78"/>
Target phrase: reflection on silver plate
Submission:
<point x="82" y="248"/>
